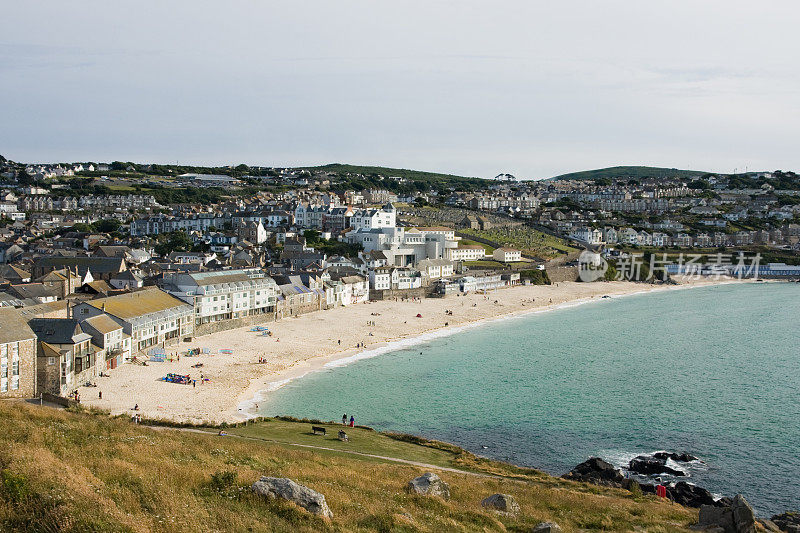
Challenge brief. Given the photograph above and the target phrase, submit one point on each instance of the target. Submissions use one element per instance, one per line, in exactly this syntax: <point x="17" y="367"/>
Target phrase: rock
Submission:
<point x="596" y="471"/>
<point x="276" y="487"/>
<point x="769" y="525"/>
<point x="735" y="518"/>
<point x="690" y="495"/>
<point x="501" y="502"/>
<point x="546" y="527"/>
<point x="644" y="464"/>
<point x="788" y="521"/>
<point x="680" y="457"/>
<point x="430" y="484"/>
<point x="743" y="518"/>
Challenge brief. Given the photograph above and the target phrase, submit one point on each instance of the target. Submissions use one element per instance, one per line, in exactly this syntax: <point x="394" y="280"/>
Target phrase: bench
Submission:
<point x="343" y="436"/>
<point x="318" y="429"/>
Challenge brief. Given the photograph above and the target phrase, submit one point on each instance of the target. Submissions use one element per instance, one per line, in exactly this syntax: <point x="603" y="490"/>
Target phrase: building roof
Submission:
<point x="97" y="265"/>
<point x="102" y="324"/>
<point x="58" y="330"/>
<point x="13" y="327"/>
<point x="12" y="273"/>
<point x="135" y="304"/>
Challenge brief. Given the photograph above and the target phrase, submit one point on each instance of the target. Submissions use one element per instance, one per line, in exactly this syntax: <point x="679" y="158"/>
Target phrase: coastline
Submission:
<point x="324" y="339"/>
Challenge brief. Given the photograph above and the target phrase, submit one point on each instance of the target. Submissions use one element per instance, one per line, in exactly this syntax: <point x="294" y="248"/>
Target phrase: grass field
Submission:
<point x="76" y="471"/>
<point x="532" y="242"/>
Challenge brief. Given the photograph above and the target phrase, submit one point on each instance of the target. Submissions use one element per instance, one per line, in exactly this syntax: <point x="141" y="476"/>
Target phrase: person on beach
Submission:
<point x="99" y="395"/>
<point x="340" y="342"/>
<point x="344" y="419"/>
<point x="352" y="421"/>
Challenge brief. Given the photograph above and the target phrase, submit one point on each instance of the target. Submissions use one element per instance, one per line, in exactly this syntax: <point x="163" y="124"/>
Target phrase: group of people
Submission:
<point x="352" y="420"/>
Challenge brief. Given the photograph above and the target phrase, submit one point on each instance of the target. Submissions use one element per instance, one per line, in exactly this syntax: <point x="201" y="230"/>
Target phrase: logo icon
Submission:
<point x="591" y="266"/>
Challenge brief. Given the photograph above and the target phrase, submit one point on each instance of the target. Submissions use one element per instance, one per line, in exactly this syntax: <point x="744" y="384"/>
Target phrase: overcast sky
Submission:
<point x="534" y="88"/>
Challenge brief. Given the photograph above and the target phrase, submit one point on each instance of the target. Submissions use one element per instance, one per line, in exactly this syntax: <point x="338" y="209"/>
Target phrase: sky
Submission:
<point x="532" y="88"/>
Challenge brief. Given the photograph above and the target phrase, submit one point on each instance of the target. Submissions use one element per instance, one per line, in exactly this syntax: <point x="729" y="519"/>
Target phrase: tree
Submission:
<point x="107" y="225"/>
<point x="176" y="241"/>
<point x="23" y="178"/>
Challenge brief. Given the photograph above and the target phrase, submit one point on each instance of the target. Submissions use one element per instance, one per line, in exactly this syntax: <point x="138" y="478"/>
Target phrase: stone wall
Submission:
<point x="557" y="274"/>
<point x="390" y="294"/>
<point x="233" y="323"/>
<point x="27" y="371"/>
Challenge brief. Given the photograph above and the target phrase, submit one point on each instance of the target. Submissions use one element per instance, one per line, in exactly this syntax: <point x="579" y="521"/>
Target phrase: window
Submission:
<point x="84" y="311"/>
<point x="3" y="385"/>
<point x="15" y="368"/>
<point x="51" y="361"/>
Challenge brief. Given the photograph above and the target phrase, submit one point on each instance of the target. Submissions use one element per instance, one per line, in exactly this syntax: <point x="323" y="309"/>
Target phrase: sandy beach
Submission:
<point x="300" y="345"/>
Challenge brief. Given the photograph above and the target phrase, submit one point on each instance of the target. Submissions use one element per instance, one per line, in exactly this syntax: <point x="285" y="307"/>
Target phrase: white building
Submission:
<point x="507" y="255"/>
<point x="224" y="294"/>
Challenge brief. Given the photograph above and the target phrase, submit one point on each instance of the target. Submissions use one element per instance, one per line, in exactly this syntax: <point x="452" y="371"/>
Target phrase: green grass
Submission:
<point x="81" y="471"/>
<point x="467" y="242"/>
<point x="531" y="241"/>
<point x="631" y="172"/>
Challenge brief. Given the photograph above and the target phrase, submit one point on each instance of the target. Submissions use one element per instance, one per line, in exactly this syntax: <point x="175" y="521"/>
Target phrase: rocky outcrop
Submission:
<point x="679" y="457"/>
<point x="690" y="495"/>
<point x="429" y="484"/>
<point x="651" y="465"/>
<point x="501" y="502"/>
<point x="546" y="527"/>
<point x="284" y="488"/>
<point x="596" y="471"/>
<point x="737" y="517"/>
<point x="788" y="521"/>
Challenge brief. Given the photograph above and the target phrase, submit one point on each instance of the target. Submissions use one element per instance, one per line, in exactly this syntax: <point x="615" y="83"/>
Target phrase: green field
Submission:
<point x="532" y="242"/>
<point x="631" y="172"/>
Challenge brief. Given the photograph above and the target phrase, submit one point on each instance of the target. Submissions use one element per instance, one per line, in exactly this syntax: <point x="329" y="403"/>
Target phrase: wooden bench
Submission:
<point x="343" y="436"/>
<point x="318" y="429"/>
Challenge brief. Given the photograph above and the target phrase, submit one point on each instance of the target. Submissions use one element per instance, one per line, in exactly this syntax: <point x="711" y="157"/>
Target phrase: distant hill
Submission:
<point x="429" y="179"/>
<point x="637" y="173"/>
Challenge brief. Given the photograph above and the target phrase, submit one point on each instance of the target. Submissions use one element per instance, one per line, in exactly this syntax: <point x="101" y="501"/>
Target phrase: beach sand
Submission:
<point x="306" y="343"/>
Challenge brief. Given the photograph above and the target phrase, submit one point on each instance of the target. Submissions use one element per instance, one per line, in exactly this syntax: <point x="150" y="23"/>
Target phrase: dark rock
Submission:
<point x="735" y="518"/>
<point x="644" y="464"/>
<point x="788" y="521"/>
<point x="429" y="484"/>
<point x="680" y="457"/>
<point x="769" y="525"/>
<point x="310" y="500"/>
<point x="546" y="527"/>
<point x="596" y="471"/>
<point x="501" y="502"/>
<point x="689" y="495"/>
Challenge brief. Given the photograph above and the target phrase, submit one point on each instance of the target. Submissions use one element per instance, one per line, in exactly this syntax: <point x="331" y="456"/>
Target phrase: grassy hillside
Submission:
<point x="67" y="471"/>
<point x="628" y="173"/>
<point x="422" y="180"/>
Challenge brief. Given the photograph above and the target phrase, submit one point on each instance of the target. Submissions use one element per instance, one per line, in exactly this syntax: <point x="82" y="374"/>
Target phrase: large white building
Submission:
<point x="224" y="294"/>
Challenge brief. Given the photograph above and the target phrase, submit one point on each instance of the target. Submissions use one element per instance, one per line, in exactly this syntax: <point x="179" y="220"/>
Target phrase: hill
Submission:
<point x="631" y="172"/>
<point x="81" y="471"/>
<point x="422" y="180"/>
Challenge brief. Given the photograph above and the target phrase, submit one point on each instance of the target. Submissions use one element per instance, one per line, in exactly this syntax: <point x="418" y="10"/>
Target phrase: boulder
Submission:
<point x="646" y="465"/>
<point x="284" y="488"/>
<point x="735" y="518"/>
<point x="501" y="502"/>
<point x="596" y="471"/>
<point x="769" y="525"/>
<point x="546" y="527"/>
<point x="690" y="495"/>
<point x="680" y="457"/>
<point x="429" y="484"/>
<point x="788" y="521"/>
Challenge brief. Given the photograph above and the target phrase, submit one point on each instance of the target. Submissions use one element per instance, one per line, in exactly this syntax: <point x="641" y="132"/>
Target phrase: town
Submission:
<point x="102" y="264"/>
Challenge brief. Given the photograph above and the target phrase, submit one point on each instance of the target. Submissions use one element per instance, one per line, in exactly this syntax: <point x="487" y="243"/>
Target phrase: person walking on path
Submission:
<point x="352" y="421"/>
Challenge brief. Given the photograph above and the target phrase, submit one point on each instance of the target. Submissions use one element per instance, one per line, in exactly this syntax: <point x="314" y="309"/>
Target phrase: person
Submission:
<point x="340" y="342"/>
<point x="194" y="383"/>
<point x="136" y="407"/>
<point x="352" y="421"/>
<point x="344" y="419"/>
<point x="99" y="395"/>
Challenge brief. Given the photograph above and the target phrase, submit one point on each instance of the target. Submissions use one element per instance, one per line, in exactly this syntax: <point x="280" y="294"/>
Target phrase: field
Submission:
<point x="532" y="242"/>
<point x="80" y="471"/>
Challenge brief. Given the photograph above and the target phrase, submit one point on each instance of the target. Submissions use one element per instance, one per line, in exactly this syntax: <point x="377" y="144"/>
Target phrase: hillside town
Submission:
<point x="98" y="270"/>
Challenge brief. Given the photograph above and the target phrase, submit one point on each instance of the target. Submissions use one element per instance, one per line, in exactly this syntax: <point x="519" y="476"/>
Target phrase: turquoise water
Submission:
<point x="710" y="371"/>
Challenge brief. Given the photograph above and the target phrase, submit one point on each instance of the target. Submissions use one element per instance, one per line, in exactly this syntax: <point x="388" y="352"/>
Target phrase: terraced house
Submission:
<point x="151" y="317"/>
<point x="66" y="356"/>
<point x="224" y="294"/>
<point x="17" y="356"/>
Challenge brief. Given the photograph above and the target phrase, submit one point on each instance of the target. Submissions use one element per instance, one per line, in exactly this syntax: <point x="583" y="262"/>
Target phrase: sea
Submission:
<point x="711" y="371"/>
